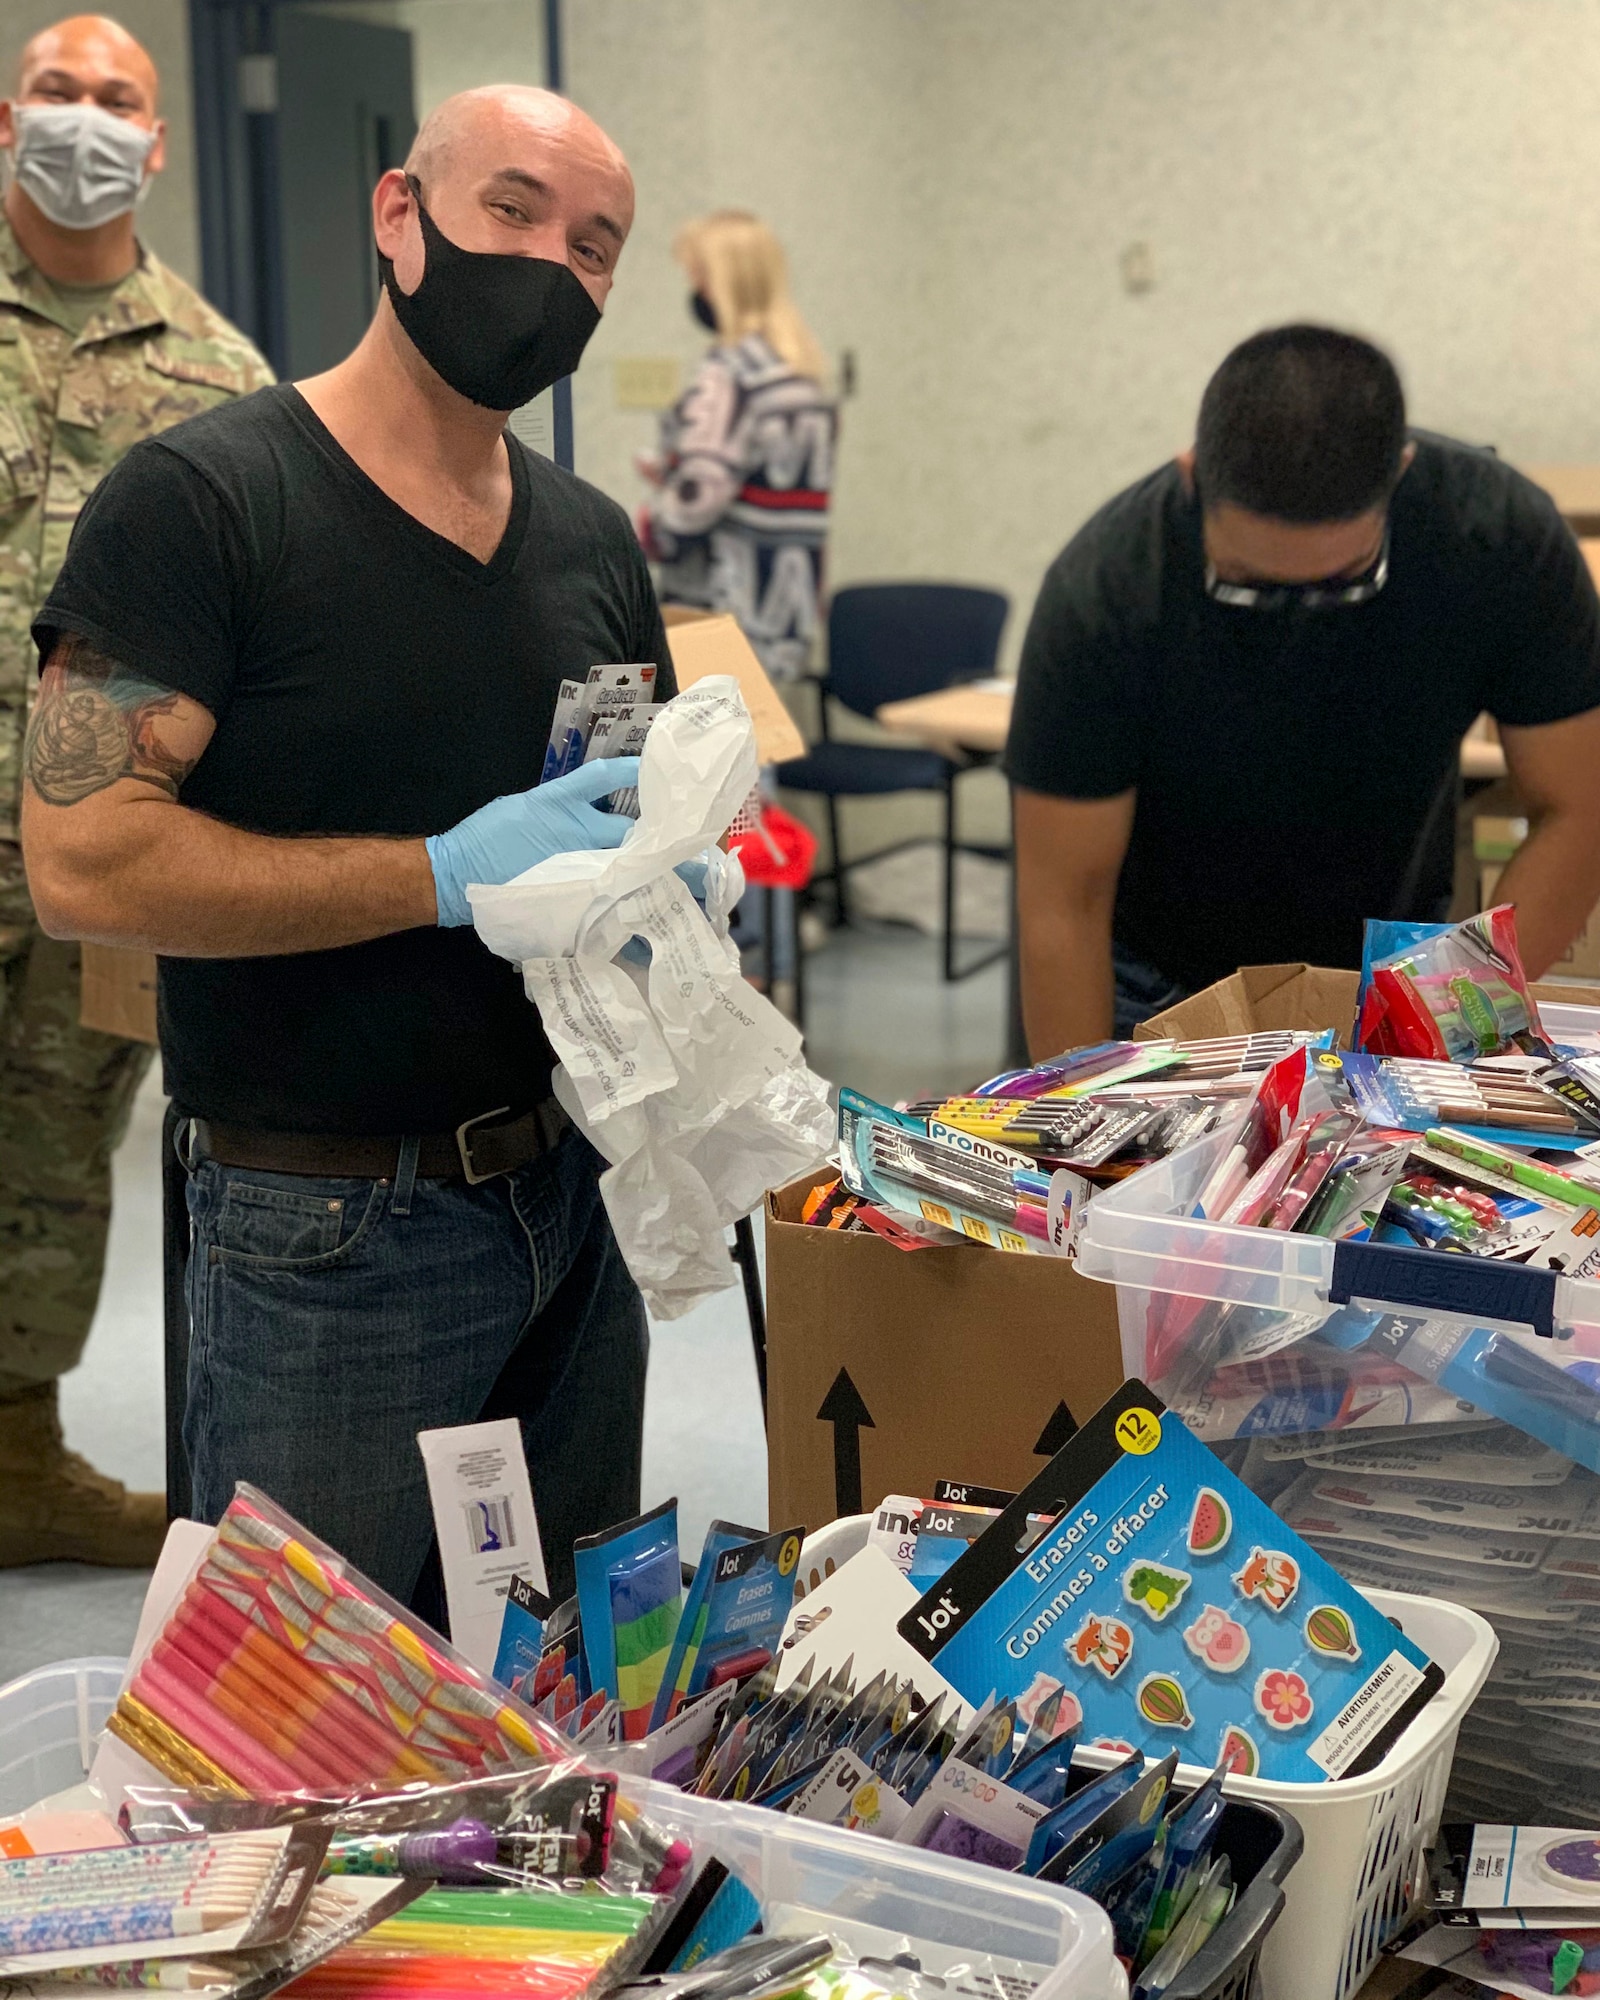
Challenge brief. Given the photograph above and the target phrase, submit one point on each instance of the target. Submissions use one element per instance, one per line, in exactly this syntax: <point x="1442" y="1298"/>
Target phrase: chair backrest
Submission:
<point x="889" y="641"/>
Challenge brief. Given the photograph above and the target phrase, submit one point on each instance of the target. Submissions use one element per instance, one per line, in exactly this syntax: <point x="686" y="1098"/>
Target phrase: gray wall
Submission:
<point x="956" y="184"/>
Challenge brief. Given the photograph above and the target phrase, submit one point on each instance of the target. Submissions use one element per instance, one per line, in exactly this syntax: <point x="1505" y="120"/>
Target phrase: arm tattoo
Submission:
<point x="96" y="721"/>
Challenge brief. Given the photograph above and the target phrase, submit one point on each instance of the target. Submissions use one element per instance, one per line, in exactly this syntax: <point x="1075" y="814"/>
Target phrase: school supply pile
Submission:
<point x="689" y="1083"/>
<point x="1395" y="1148"/>
<point x="1485" y="1515"/>
<point x="1014" y="1164"/>
<point x="1516" y="1909"/>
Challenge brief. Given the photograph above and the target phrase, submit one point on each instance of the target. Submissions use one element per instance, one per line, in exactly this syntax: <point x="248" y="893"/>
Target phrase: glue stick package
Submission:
<point x="1177" y="1609"/>
<point x="1452" y="992"/>
<point x="630" y="1594"/>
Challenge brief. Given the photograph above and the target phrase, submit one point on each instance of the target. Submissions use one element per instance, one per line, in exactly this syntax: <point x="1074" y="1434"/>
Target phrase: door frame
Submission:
<point x="233" y="50"/>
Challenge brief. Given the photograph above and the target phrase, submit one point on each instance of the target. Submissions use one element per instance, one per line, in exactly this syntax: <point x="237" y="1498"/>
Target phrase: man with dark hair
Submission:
<point x="1245" y="685"/>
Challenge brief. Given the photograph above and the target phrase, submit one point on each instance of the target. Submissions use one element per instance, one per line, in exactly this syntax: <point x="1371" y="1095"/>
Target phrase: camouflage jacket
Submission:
<point x="154" y="354"/>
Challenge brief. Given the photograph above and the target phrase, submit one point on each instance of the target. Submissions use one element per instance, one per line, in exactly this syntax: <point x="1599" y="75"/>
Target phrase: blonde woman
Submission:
<point x="739" y="518"/>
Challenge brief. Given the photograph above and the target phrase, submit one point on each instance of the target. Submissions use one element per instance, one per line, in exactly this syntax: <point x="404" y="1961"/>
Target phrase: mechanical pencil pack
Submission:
<point x="630" y="1594"/>
<point x="1177" y="1608"/>
<point x="734" y="1614"/>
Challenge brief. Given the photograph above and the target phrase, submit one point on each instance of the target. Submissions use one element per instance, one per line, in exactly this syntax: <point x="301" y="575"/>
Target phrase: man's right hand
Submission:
<point x="509" y="835"/>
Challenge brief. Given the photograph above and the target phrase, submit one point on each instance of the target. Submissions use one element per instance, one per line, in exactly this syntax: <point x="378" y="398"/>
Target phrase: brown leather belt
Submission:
<point x="475" y="1151"/>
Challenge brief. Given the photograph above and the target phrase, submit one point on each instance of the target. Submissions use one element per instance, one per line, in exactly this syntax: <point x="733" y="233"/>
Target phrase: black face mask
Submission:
<point x="704" y="311"/>
<point x="498" y="329"/>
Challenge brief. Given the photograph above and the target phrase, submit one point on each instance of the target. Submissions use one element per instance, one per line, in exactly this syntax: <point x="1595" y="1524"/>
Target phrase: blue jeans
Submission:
<point x="1140" y="992"/>
<point x="331" y="1320"/>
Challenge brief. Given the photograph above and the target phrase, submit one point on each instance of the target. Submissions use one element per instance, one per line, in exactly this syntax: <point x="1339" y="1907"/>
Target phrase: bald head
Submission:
<point x="89" y="58"/>
<point x="515" y="170"/>
<point x="505" y="113"/>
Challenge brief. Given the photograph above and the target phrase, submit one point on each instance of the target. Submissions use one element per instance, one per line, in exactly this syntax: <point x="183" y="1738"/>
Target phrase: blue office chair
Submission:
<point x="887" y="642"/>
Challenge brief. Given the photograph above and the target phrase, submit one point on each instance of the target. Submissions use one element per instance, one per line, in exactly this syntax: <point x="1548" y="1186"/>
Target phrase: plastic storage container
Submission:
<point x="1141" y="1237"/>
<point x="1365" y="1837"/>
<point x="50" y="1722"/>
<point x="857" y="1880"/>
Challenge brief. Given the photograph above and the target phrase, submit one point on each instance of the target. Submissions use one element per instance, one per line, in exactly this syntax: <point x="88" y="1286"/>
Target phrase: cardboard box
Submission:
<point x="1295" y="996"/>
<point x="888" y="1369"/>
<point x="706" y="642"/>
<point x="118" y="992"/>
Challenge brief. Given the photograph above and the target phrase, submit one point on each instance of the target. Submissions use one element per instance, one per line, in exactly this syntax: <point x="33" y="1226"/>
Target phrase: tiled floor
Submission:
<point x="878" y="1017"/>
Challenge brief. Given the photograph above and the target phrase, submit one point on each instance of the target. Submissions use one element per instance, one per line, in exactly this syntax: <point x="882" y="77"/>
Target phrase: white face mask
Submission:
<point x="81" y="166"/>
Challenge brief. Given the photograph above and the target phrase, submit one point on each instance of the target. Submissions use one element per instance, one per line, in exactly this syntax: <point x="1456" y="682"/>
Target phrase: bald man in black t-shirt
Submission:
<point x="1245" y="685"/>
<point x="300" y="669"/>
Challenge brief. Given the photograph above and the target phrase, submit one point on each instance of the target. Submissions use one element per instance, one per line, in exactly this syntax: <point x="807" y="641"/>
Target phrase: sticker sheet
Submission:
<point x="1177" y="1608"/>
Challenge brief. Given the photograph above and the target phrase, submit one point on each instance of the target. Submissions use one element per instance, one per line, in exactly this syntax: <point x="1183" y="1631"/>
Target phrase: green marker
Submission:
<point x="1526" y="1173"/>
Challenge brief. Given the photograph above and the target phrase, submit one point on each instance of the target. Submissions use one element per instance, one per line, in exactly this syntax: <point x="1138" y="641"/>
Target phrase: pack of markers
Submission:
<point x="1014" y="1164"/>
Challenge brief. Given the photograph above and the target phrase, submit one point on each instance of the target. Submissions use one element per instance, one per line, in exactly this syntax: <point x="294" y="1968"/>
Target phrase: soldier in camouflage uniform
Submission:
<point x="100" y="345"/>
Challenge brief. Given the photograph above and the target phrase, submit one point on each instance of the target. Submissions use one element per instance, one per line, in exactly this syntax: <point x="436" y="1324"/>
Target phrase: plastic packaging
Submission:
<point x="689" y="1083"/>
<point x="1177" y="1608"/>
<point x="630" y="1597"/>
<point x="734" y="1614"/>
<point x="1447" y="991"/>
<point x="282" y="1667"/>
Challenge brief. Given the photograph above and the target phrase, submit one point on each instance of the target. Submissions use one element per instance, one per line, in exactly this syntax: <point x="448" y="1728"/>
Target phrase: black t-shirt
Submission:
<point x="367" y="677"/>
<point x="1295" y="769"/>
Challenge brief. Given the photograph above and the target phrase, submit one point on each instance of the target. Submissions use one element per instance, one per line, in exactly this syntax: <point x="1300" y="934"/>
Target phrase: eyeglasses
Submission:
<point x="1333" y="593"/>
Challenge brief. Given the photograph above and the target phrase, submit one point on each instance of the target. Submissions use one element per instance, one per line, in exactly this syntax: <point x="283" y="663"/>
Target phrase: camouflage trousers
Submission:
<point x="65" y="1096"/>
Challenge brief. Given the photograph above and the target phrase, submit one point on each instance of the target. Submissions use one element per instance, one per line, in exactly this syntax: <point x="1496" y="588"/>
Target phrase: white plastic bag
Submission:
<point x="685" y="1078"/>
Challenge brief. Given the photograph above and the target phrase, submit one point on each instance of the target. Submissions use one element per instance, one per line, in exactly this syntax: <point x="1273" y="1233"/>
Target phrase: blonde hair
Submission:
<point x="739" y="265"/>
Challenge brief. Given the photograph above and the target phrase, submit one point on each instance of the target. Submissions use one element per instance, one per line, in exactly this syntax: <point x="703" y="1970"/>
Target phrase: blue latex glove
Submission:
<point x="511" y="834"/>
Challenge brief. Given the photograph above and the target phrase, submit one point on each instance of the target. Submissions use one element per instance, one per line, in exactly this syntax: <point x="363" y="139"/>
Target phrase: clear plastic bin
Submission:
<point x="1305" y="1311"/>
<point x="50" y="1723"/>
<point x="854" y="1879"/>
<point x="1365" y="1837"/>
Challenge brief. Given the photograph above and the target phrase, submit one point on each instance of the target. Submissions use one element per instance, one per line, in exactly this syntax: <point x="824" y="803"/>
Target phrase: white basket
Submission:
<point x="906" y="1892"/>
<point x="1365" y="1837"/>
<point x="50" y="1722"/>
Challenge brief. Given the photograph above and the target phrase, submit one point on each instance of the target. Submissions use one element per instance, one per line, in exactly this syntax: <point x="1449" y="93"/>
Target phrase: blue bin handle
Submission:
<point x="1434" y="1281"/>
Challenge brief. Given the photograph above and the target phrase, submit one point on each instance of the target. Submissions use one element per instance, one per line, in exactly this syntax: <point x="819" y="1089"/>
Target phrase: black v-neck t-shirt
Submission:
<point x="1296" y="769"/>
<point x="367" y="676"/>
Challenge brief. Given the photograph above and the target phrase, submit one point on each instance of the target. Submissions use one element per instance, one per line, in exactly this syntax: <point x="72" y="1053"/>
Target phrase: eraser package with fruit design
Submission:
<point x="1178" y="1610"/>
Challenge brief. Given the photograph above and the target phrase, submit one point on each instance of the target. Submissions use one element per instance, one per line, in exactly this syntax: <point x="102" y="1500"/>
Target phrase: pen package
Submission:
<point x="986" y="1191"/>
<point x="1177" y="1608"/>
<point x="1538" y="1385"/>
<point x="630" y="1594"/>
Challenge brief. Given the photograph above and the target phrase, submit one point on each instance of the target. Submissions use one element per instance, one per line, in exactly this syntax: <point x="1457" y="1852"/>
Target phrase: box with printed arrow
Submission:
<point x="887" y="1373"/>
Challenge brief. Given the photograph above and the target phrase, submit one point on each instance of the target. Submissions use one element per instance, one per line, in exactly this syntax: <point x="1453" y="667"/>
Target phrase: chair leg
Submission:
<point x="841" y="908"/>
<point x="950" y="875"/>
<point x="793" y="902"/>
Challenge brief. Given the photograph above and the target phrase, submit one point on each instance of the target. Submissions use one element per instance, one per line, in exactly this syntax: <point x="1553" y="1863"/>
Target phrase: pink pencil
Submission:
<point x="184" y="1708"/>
<point x="271" y="1717"/>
